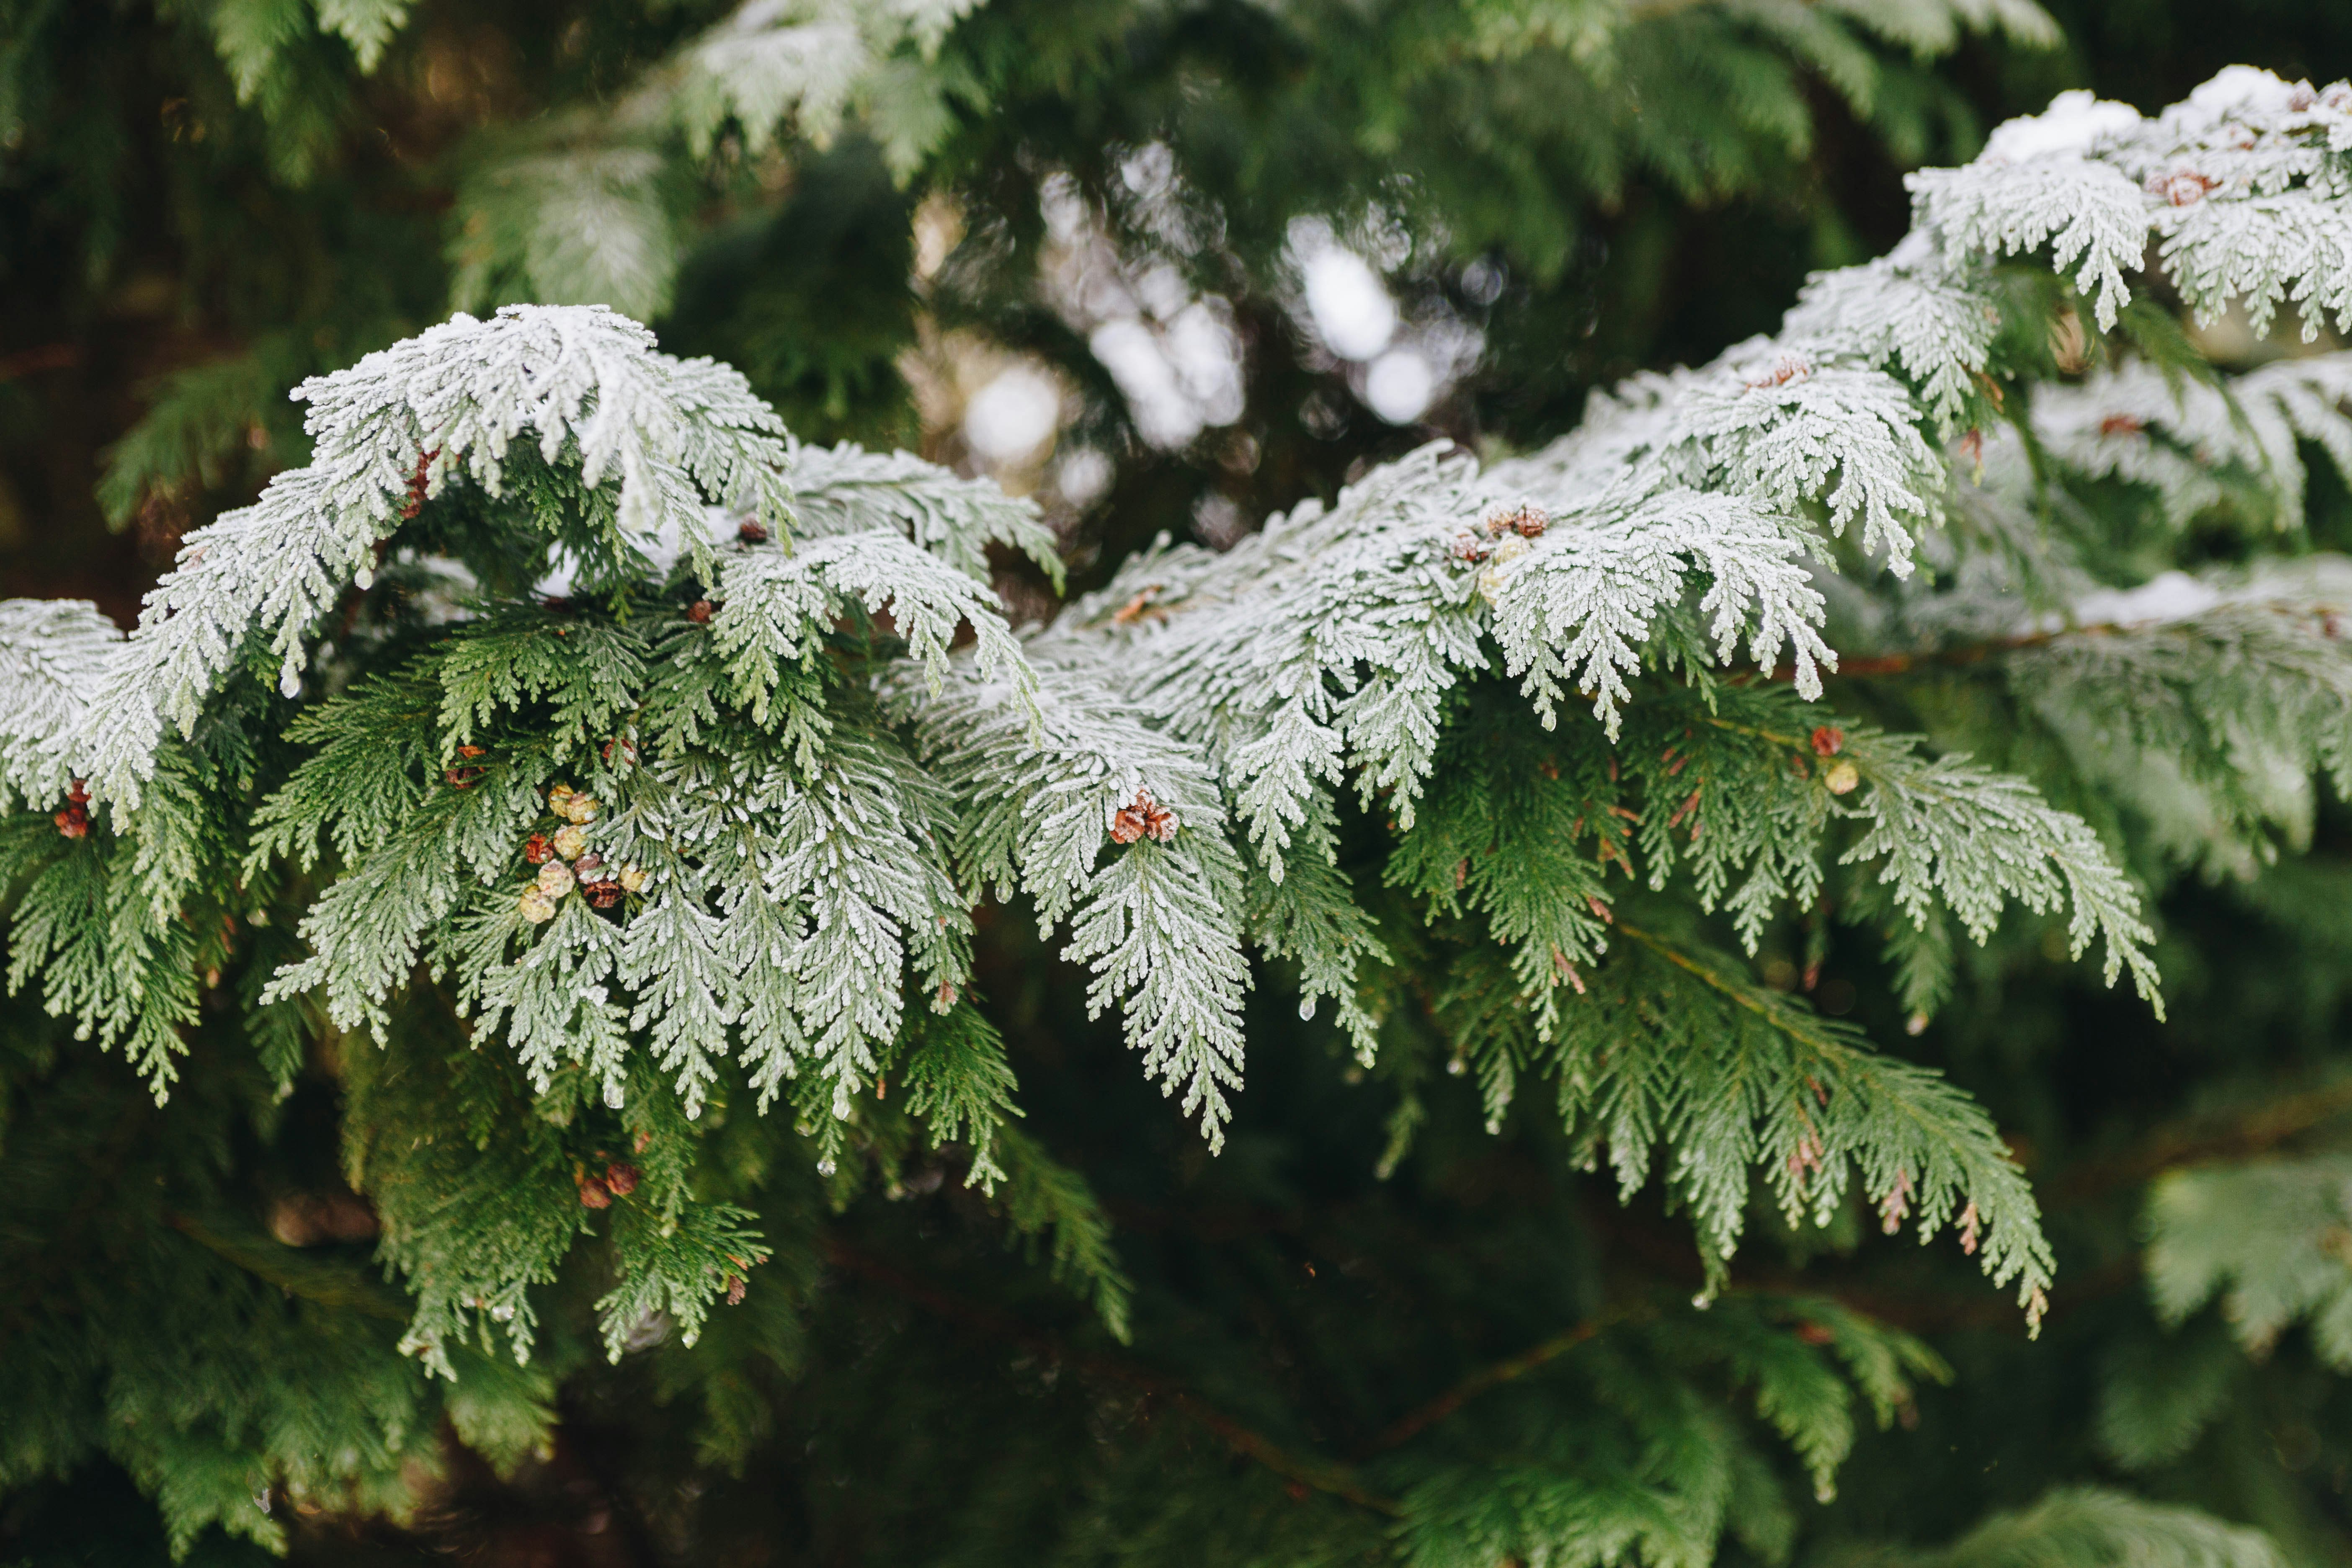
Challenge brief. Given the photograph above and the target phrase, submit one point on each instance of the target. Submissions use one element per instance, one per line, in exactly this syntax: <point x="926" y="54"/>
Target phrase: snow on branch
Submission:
<point x="54" y="654"/>
<point x="845" y="487"/>
<point x="390" y="435"/>
<point x="2243" y="186"/>
<point x="2183" y="436"/>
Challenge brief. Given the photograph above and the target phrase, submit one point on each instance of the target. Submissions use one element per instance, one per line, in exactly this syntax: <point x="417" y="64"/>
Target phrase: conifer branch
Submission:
<point x="674" y="816"/>
<point x="615" y="782"/>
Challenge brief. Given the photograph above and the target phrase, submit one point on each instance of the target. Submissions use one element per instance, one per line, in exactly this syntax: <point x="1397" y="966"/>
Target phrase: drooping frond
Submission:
<point x="1651" y="1473"/>
<point x="1155" y="912"/>
<point x="1672" y="1056"/>
<point x="1902" y="310"/>
<point x="2086" y="1526"/>
<point x="2193" y="442"/>
<point x="589" y="207"/>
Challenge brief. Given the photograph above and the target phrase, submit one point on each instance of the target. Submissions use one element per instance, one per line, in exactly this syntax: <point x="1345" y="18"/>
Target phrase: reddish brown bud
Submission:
<point x="594" y="1194"/>
<point x="621" y="1178"/>
<point x="698" y="612"/>
<point x="2182" y="188"/>
<point x="1143" y="818"/>
<point x="734" y="1290"/>
<point x="1827" y="742"/>
<point x="414" y="501"/>
<point x="73" y="822"/>
<point x="1788" y="368"/>
<point x="752" y="531"/>
<point x="537" y="850"/>
<point x="601" y="895"/>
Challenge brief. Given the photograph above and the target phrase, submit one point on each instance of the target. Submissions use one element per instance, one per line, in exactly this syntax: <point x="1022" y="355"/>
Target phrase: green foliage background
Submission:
<point x="203" y="201"/>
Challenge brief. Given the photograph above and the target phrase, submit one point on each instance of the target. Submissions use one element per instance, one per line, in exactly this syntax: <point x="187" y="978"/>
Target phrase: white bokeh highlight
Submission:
<point x="1349" y="304"/>
<point x="1013" y="416"/>
<point x="1401" y="385"/>
<point x="1174" y="355"/>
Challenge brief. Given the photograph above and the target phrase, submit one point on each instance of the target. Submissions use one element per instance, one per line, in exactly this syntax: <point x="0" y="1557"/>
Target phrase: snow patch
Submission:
<point x="2067" y="129"/>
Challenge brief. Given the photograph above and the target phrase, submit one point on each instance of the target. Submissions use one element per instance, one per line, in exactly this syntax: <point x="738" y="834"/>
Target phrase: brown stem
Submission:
<point x="1978" y="653"/>
<point x="273" y="1262"/>
<point x="2193" y="1140"/>
<point x="1302" y="1470"/>
<point x="48" y="357"/>
<point x="1508" y="1370"/>
<point x="1948" y="658"/>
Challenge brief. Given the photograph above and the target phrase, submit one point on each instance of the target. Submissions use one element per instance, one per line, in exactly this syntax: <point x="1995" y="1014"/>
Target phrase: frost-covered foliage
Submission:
<point x="807" y="59"/>
<point x="1510" y="754"/>
<point x="2242" y="188"/>
<point x="390" y="432"/>
<point x="55" y="654"/>
<point x="2182" y="437"/>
